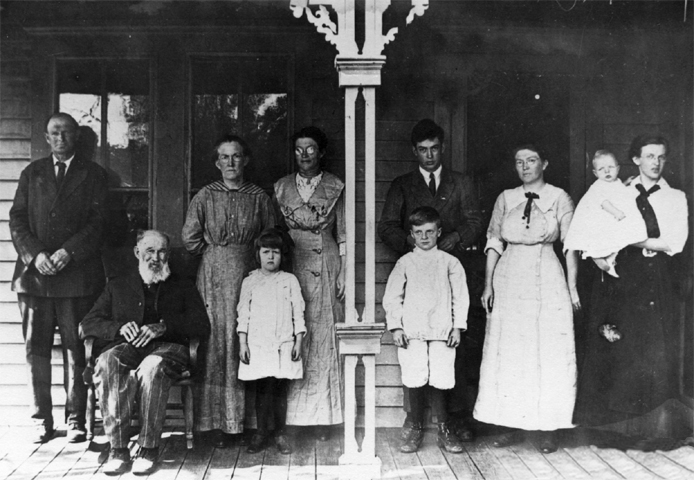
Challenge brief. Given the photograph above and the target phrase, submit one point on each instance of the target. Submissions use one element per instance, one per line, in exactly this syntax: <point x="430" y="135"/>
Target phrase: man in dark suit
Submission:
<point x="453" y="196"/>
<point x="57" y="222"/>
<point x="142" y="323"/>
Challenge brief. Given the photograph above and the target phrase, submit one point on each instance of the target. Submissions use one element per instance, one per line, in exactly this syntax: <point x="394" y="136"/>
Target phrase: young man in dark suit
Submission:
<point x="57" y="222"/>
<point x="453" y="196"/>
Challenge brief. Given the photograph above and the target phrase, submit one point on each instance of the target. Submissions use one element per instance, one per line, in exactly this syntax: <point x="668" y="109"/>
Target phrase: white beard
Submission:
<point x="150" y="276"/>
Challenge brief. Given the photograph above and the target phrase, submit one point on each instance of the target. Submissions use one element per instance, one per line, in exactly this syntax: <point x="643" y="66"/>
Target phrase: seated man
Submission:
<point x="142" y="324"/>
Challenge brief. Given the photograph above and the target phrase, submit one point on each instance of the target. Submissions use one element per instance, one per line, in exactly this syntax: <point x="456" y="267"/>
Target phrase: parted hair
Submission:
<point x="647" y="139"/>
<point x="422" y="215"/>
<point x="230" y="138"/>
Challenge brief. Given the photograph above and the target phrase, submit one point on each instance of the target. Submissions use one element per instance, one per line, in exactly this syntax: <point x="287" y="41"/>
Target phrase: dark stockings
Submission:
<point x="271" y="404"/>
<point x="437" y="402"/>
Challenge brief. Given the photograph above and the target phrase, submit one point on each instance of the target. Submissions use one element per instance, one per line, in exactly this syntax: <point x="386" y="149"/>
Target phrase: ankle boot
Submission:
<point x="448" y="440"/>
<point x="414" y="440"/>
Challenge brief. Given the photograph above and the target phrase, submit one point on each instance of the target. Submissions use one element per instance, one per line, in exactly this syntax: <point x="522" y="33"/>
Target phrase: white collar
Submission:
<point x="437" y="174"/>
<point x="661" y="182"/>
<point x="66" y="162"/>
<point x="548" y="196"/>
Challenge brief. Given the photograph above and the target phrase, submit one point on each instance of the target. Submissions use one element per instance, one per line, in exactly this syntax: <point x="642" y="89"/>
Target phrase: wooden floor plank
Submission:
<point x="513" y="464"/>
<point x="593" y="463"/>
<point x="566" y="465"/>
<point x="486" y="462"/>
<point x="86" y="467"/>
<point x="222" y="463"/>
<point x="432" y="459"/>
<point x="660" y="465"/>
<point x="249" y="465"/>
<point x="624" y="464"/>
<point x="172" y="454"/>
<point x="383" y="451"/>
<point x="197" y="460"/>
<point x="275" y="465"/>
<point x="683" y="456"/>
<point x="535" y="460"/>
<point x="302" y="464"/>
<point x="31" y="461"/>
<point x="408" y="464"/>
<point x="66" y="461"/>
<point x="328" y="457"/>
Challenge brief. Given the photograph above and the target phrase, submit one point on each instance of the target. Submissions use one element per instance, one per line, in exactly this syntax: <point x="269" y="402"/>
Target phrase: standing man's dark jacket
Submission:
<point x="43" y="218"/>
<point x="178" y="305"/>
<point x="456" y="201"/>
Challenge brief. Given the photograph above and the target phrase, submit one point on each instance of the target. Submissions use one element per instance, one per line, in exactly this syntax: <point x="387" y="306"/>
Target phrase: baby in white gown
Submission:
<point x="606" y="219"/>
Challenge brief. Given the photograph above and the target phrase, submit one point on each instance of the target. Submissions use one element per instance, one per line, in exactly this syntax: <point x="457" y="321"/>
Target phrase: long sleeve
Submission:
<point x="460" y="297"/>
<point x="394" y="296"/>
<point x="191" y="320"/>
<point x="390" y="228"/>
<point x="298" y="306"/>
<point x="673" y="221"/>
<point x="243" y="309"/>
<point x="469" y="207"/>
<point x="341" y="223"/>
<point x="193" y="233"/>
<point x="494" y="240"/>
<point x="99" y="322"/>
<point x="25" y="242"/>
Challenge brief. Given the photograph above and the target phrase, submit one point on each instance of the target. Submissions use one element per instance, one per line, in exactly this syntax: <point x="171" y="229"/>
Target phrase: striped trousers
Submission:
<point x="126" y="375"/>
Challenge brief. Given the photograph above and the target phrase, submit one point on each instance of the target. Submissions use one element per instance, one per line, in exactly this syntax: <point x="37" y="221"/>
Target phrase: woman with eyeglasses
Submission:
<point x="310" y="206"/>
<point x="224" y="219"/>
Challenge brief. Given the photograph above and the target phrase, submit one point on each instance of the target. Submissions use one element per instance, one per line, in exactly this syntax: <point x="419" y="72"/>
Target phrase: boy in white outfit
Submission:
<point x="426" y="303"/>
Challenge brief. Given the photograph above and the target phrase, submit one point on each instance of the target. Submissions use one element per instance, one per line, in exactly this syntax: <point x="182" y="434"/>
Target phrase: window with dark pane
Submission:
<point x="246" y="96"/>
<point x="110" y="99"/>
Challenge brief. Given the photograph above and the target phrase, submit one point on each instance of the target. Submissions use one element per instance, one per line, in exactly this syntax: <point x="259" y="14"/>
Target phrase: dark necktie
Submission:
<point x="652" y="228"/>
<point x="61" y="174"/>
<point x="432" y="184"/>
<point x="528" y="207"/>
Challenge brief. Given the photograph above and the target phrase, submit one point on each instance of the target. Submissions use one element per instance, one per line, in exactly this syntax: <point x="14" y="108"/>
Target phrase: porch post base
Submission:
<point x="357" y="466"/>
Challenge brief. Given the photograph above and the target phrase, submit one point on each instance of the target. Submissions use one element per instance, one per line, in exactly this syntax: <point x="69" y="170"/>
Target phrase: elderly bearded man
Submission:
<point x="142" y="324"/>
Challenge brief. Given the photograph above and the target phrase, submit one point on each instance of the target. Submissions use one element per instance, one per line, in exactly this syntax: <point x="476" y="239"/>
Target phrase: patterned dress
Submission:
<point x="317" y="398"/>
<point x="222" y="225"/>
<point x="528" y="372"/>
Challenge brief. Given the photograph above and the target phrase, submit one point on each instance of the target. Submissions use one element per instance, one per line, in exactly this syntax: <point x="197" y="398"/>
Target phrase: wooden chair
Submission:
<point x="185" y="382"/>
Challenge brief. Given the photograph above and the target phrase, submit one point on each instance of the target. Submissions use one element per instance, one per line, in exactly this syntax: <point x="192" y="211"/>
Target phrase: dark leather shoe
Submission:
<point x="508" y="439"/>
<point x="323" y="433"/>
<point x="221" y="439"/>
<point x="283" y="445"/>
<point x="42" y="434"/>
<point x="257" y="443"/>
<point x="118" y="461"/>
<point x="463" y="430"/>
<point x="414" y="440"/>
<point x="76" y="433"/>
<point x="548" y="442"/>
<point x="448" y="440"/>
<point x="406" y="429"/>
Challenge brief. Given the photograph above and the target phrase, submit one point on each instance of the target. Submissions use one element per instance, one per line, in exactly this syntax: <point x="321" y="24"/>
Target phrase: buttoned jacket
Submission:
<point x="45" y="218"/>
<point x="178" y="305"/>
<point x="455" y="200"/>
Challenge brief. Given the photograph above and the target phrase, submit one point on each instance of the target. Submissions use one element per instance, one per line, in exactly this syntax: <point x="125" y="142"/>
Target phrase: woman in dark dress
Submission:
<point x="631" y="376"/>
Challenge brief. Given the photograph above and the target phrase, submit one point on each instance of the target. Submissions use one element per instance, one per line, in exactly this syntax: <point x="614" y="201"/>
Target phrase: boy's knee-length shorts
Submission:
<point x="427" y="361"/>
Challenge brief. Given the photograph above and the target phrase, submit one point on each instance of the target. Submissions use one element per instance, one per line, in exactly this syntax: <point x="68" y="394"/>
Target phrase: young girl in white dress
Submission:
<point x="606" y="219"/>
<point x="271" y="329"/>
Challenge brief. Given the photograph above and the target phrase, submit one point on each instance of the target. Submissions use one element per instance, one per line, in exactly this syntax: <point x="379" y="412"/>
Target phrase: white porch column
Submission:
<point x="358" y="338"/>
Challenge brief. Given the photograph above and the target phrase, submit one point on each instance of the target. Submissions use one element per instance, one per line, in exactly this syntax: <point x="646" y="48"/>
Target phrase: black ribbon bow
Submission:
<point x="646" y="209"/>
<point x="529" y="206"/>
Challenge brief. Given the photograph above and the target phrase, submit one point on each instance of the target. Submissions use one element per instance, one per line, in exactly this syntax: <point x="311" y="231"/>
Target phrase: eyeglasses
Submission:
<point x="310" y="150"/>
<point x="226" y="159"/>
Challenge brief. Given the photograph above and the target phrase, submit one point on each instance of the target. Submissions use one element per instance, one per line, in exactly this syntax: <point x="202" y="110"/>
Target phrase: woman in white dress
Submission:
<point x="528" y="371"/>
